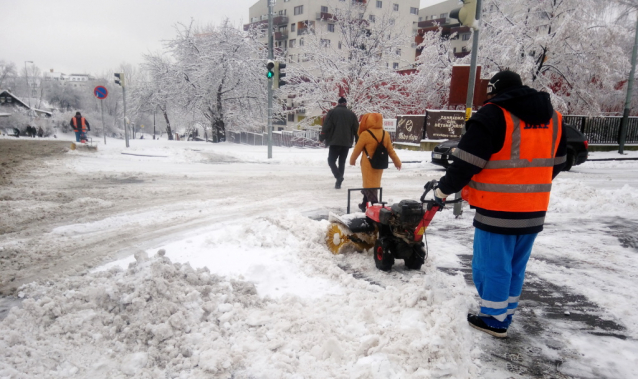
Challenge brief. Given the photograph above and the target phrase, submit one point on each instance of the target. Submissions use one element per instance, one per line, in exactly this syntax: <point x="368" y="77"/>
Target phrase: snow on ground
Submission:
<point x="251" y="291"/>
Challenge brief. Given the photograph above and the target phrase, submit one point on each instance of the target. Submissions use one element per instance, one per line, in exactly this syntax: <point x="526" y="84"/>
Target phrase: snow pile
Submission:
<point x="162" y="319"/>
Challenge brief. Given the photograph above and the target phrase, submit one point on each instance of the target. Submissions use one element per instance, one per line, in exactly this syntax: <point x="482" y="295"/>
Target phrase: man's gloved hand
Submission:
<point x="439" y="197"/>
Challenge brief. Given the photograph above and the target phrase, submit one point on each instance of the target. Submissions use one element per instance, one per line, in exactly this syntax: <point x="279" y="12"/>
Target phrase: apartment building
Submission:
<point x="293" y="20"/>
<point x="438" y="15"/>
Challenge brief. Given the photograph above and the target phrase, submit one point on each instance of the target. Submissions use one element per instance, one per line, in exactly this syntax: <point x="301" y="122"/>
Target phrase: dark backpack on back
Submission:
<point x="379" y="159"/>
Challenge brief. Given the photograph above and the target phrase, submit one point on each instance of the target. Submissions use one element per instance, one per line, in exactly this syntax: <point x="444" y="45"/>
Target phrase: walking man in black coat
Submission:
<point x="339" y="130"/>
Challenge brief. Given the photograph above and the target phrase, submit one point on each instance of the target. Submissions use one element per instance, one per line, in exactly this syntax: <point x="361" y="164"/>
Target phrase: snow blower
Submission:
<point x="395" y="232"/>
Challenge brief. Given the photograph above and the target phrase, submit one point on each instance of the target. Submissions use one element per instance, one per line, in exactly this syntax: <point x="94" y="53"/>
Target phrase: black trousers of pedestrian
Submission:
<point x="340" y="153"/>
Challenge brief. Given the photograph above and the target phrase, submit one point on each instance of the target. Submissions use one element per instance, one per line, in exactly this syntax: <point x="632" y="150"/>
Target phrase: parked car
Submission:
<point x="576" y="149"/>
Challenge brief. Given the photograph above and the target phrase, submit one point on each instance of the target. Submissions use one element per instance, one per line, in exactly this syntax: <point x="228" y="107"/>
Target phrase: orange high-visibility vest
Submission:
<point x="75" y="124"/>
<point x="518" y="178"/>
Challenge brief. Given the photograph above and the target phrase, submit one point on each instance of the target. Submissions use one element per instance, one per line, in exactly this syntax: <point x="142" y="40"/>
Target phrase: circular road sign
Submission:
<point x="101" y="92"/>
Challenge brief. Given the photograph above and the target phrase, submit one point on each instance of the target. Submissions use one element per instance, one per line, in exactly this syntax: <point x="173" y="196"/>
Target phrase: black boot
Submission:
<point x="338" y="183"/>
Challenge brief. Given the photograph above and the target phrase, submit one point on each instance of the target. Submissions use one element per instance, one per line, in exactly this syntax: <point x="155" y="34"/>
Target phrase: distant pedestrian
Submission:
<point x="339" y="130"/>
<point x="40" y="132"/>
<point x="80" y="127"/>
<point x="371" y="134"/>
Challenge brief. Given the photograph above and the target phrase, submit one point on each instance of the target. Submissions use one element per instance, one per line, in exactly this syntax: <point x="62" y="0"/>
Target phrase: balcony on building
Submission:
<point x="281" y="35"/>
<point x="280" y="20"/>
<point x="324" y="16"/>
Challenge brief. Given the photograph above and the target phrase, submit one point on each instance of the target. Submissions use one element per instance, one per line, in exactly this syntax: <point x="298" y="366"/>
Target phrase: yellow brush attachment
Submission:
<point x="340" y="239"/>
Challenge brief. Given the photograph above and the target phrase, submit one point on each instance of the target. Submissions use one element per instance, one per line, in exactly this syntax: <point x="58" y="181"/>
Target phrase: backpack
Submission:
<point x="379" y="159"/>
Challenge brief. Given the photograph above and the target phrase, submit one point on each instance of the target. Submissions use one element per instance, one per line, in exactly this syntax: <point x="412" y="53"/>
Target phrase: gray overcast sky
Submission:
<point x="90" y="36"/>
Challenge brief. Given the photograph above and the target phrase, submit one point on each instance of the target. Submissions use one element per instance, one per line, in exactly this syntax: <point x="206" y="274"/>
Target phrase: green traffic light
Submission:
<point x="270" y="74"/>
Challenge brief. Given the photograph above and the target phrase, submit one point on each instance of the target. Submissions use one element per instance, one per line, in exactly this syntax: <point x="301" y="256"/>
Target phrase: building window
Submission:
<point x="379" y="4"/>
<point x="331" y="28"/>
<point x="464" y="49"/>
<point x="299" y="10"/>
<point x="324" y="9"/>
<point x="391" y="21"/>
<point x="339" y="45"/>
<point x="398" y="51"/>
<point x="301" y="42"/>
<point x="292" y="43"/>
<point x="2" y="100"/>
<point x="395" y="65"/>
<point x="395" y="7"/>
<point x="292" y="27"/>
<point x="325" y="42"/>
<point x="291" y="117"/>
<point x="414" y="10"/>
<point x="443" y="15"/>
<point x="372" y="18"/>
<point x="466" y="36"/>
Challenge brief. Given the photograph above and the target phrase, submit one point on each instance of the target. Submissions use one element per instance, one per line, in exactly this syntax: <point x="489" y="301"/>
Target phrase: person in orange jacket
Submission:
<point x="80" y="126"/>
<point x="371" y="131"/>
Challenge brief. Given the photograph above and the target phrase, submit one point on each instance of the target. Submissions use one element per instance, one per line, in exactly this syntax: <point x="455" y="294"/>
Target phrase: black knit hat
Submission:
<point x="342" y="100"/>
<point x="78" y="114"/>
<point x="502" y="81"/>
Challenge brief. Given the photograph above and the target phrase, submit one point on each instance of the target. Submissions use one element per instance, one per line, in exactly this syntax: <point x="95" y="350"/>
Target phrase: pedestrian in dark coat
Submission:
<point x="505" y="163"/>
<point x="339" y="131"/>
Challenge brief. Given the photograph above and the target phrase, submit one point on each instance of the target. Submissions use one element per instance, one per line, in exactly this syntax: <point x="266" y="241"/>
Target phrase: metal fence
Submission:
<point x="296" y="138"/>
<point x="604" y="130"/>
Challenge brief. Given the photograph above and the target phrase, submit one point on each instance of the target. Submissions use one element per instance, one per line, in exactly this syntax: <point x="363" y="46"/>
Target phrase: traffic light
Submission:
<point x="120" y="78"/>
<point x="270" y="66"/>
<point x="466" y="14"/>
<point x="278" y="75"/>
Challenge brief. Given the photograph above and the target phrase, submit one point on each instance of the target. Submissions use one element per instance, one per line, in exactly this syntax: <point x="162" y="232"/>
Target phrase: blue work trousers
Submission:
<point x="498" y="271"/>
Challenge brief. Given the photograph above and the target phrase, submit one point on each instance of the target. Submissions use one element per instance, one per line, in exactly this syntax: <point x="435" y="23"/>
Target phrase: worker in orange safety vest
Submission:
<point x="514" y="147"/>
<point x="80" y="127"/>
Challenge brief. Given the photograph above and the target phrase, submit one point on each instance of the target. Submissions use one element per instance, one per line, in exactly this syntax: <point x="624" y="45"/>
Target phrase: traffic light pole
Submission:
<point x="458" y="210"/>
<point x="270" y="80"/>
<point x="124" y="104"/>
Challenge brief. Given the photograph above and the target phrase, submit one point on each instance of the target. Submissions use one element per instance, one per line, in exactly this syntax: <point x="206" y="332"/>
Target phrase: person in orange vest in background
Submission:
<point x="80" y="127"/>
<point x="514" y="147"/>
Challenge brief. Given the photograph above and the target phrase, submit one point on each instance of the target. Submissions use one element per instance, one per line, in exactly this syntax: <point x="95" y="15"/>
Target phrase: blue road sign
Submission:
<point x="101" y="92"/>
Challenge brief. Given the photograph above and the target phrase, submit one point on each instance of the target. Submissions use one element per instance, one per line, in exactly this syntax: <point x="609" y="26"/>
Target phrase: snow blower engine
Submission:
<point x="395" y="232"/>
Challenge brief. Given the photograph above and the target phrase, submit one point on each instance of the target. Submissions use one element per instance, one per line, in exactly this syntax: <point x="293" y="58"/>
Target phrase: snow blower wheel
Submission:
<point x="383" y="259"/>
<point x="416" y="260"/>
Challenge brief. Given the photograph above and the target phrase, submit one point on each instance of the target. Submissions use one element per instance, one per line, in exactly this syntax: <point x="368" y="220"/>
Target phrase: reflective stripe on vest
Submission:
<point x="518" y="178"/>
<point x="75" y="124"/>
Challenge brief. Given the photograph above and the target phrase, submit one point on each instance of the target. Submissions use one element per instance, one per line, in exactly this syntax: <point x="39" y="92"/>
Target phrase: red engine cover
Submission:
<point x="373" y="211"/>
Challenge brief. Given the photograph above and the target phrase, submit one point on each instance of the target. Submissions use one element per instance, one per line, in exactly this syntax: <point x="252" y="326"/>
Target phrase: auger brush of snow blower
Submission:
<point x="349" y="233"/>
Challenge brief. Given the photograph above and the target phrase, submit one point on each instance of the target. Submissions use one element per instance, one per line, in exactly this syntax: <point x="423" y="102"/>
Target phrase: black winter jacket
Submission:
<point x="485" y="135"/>
<point x="340" y="127"/>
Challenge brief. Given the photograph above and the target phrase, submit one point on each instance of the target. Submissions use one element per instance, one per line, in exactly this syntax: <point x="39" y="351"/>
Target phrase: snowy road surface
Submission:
<point x="239" y="284"/>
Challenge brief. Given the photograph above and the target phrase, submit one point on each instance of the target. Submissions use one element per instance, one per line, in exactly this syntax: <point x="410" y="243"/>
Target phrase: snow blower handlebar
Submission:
<point x="430" y="186"/>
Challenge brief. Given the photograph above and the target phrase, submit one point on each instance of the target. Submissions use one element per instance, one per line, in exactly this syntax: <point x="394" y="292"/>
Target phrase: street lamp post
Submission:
<point x="154" y="112"/>
<point x="26" y="76"/>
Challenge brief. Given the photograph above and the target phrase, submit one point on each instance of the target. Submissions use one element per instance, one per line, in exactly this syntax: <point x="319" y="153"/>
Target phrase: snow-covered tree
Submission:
<point x="565" y="47"/>
<point x="8" y="74"/>
<point x="357" y="66"/>
<point x="155" y="91"/>
<point x="218" y="71"/>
